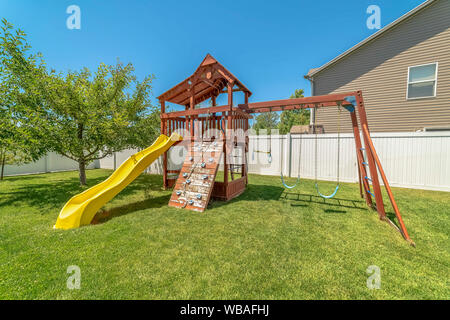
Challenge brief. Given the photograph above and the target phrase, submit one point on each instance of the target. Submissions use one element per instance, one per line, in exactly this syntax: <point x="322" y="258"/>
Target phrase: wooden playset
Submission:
<point x="196" y="183"/>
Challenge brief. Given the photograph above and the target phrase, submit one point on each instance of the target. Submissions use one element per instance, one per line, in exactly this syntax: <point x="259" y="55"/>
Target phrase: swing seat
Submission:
<point x="287" y="186"/>
<point x="327" y="197"/>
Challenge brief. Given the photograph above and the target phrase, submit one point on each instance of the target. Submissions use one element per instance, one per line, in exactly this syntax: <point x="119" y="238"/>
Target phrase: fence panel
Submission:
<point x="418" y="160"/>
<point x="51" y="162"/>
<point x="413" y="160"/>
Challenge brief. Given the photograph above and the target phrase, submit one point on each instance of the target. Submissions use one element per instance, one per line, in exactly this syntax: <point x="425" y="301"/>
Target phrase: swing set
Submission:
<point x="369" y="165"/>
<point x="212" y="79"/>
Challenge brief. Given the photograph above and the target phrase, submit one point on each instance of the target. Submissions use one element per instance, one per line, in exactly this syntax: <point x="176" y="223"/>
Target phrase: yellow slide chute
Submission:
<point x="81" y="209"/>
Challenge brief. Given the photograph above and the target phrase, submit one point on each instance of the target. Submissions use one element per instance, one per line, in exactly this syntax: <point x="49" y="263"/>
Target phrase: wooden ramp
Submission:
<point x="196" y="180"/>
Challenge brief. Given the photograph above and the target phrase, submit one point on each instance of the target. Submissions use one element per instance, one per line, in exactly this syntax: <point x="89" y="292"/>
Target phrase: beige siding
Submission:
<point x="380" y="70"/>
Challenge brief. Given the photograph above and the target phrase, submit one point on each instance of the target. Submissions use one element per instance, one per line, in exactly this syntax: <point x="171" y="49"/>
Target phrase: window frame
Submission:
<point x="423" y="81"/>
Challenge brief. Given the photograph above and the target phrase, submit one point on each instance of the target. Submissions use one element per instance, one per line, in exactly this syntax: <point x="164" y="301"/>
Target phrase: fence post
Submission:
<point x="289" y="138"/>
<point x="46" y="167"/>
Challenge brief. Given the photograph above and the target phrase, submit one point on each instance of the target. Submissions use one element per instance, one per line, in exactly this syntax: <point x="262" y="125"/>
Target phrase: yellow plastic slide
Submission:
<point x="81" y="209"/>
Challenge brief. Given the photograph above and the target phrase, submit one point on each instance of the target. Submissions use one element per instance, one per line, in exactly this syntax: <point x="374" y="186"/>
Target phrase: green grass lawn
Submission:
<point x="267" y="244"/>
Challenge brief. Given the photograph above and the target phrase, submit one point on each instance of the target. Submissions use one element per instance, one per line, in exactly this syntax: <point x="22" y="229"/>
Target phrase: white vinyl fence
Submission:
<point x="412" y="160"/>
<point x="52" y="162"/>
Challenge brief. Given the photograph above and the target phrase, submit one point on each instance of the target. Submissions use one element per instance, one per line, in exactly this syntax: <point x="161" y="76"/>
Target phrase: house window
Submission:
<point x="422" y="81"/>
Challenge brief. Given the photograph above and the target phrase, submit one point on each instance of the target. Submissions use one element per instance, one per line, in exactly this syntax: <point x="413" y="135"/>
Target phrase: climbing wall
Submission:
<point x="196" y="180"/>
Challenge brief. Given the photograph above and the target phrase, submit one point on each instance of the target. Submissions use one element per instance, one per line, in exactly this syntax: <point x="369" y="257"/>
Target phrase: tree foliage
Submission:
<point x="81" y="115"/>
<point x="284" y="121"/>
<point x="291" y="118"/>
<point x="266" y="121"/>
<point x="18" y="144"/>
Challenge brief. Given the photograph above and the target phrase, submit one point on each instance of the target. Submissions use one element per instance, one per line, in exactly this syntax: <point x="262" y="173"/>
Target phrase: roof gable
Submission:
<point x="208" y="80"/>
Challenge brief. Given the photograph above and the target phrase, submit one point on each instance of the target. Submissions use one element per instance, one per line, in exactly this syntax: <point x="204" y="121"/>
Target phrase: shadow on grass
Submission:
<point x="43" y="194"/>
<point x="105" y="215"/>
<point x="257" y="192"/>
<point x="393" y="218"/>
<point x="335" y="202"/>
<point x="268" y="192"/>
<point x="253" y="192"/>
<point x="22" y="178"/>
<point x="56" y="193"/>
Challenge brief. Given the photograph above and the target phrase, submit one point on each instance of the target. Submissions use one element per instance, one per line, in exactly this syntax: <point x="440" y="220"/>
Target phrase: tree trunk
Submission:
<point x="82" y="171"/>
<point x="3" y="166"/>
<point x="81" y="162"/>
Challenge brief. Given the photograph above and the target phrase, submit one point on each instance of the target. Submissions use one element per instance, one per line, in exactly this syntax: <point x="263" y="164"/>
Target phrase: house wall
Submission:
<point x="380" y="70"/>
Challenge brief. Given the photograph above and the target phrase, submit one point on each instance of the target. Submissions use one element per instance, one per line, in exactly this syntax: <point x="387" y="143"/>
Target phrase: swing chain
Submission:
<point x="299" y="166"/>
<point x="339" y="141"/>
<point x="338" y="155"/>
<point x="315" y="142"/>
<point x="269" y="152"/>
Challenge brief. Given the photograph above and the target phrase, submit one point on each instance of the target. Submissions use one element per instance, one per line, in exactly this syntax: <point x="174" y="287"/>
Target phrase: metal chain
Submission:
<point x="300" y="156"/>
<point x="338" y="145"/>
<point x="339" y="142"/>
<point x="315" y="143"/>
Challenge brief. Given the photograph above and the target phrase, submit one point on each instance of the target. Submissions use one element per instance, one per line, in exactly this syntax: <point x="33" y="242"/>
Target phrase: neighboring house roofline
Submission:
<point x="377" y="34"/>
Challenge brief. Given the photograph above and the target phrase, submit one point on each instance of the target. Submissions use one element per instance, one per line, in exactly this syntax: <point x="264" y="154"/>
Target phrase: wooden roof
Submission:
<point x="210" y="79"/>
<point x="299" y="129"/>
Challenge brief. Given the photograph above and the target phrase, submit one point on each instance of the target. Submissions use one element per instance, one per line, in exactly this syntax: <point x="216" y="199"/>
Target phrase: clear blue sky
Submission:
<point x="268" y="45"/>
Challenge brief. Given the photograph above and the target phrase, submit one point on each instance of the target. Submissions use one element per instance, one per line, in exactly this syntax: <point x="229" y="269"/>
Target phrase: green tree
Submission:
<point x="17" y="143"/>
<point x="266" y="121"/>
<point x="13" y="145"/>
<point x="291" y="118"/>
<point x="80" y="115"/>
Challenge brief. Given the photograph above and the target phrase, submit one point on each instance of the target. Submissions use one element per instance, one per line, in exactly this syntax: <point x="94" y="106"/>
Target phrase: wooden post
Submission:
<point x="213" y="116"/>
<point x="164" y="131"/>
<point x="403" y="230"/>
<point x="362" y="172"/>
<point x="228" y="133"/>
<point x="370" y="157"/>
<point x="192" y="107"/>
<point x="246" y="126"/>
